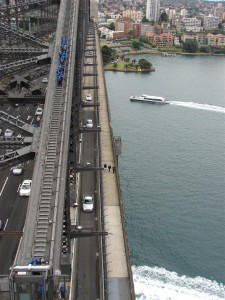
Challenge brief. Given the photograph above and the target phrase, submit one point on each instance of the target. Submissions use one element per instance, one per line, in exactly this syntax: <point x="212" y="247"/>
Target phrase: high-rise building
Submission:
<point x="152" y="10"/>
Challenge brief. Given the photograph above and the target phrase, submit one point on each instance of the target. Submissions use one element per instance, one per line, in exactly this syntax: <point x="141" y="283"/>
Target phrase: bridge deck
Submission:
<point x="118" y="263"/>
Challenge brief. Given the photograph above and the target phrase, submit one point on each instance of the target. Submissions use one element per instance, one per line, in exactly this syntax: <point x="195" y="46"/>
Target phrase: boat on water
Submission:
<point x="149" y="99"/>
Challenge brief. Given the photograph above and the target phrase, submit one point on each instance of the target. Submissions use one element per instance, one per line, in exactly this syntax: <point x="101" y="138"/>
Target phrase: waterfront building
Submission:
<point x="160" y="40"/>
<point x="215" y="39"/>
<point x="152" y="10"/>
<point x="199" y="38"/>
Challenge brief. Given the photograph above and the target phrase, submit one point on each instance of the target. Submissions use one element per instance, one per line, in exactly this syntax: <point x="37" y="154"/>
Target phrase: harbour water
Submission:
<point x="172" y="172"/>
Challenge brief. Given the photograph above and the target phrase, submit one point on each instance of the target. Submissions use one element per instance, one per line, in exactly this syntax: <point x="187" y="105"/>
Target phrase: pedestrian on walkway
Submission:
<point x="109" y="167"/>
<point x="105" y="167"/>
<point x="62" y="290"/>
<point x="114" y="169"/>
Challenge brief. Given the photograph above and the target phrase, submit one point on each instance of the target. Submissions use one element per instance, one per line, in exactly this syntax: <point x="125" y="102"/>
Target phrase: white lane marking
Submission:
<point x="5" y="224"/>
<point x="31" y="121"/>
<point x="28" y="118"/>
<point x="27" y="107"/>
<point x="4" y="186"/>
<point x="8" y="108"/>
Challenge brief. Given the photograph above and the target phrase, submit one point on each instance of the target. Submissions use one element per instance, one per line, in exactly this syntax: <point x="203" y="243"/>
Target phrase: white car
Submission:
<point x="8" y="133"/>
<point x="39" y="111"/>
<point x="88" y="97"/>
<point x="17" y="170"/>
<point x="88" y="202"/>
<point x="45" y="80"/>
<point x="89" y="123"/>
<point x="25" y="188"/>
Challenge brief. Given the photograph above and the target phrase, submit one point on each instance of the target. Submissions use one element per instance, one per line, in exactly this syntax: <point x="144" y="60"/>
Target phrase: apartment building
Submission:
<point x="199" y="38"/>
<point x="124" y="25"/>
<point x="152" y="10"/>
<point x="211" y="22"/>
<point x="215" y="39"/>
<point x="135" y="15"/>
<point x="162" y="40"/>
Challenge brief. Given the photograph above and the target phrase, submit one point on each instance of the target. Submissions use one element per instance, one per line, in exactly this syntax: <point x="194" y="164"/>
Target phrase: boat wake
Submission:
<point x="159" y="284"/>
<point x="199" y="106"/>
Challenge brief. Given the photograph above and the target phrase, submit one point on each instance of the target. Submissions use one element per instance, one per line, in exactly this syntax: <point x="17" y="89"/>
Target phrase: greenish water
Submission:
<point x="172" y="172"/>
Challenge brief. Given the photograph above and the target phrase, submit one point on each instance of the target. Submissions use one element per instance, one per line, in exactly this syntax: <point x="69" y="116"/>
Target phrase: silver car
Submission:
<point x="17" y="170"/>
<point x="88" y="202"/>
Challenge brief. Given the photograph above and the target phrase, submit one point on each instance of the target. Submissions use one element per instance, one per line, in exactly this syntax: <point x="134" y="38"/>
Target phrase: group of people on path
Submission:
<point x="108" y="167"/>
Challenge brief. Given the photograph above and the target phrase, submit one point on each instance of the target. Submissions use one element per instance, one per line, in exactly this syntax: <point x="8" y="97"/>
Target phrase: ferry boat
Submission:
<point x="149" y="99"/>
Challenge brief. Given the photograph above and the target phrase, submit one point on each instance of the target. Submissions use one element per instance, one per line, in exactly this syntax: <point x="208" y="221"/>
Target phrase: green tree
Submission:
<point x="144" y="39"/>
<point x="106" y="54"/>
<point x="190" y="46"/>
<point x="127" y="59"/>
<point x="205" y="49"/>
<point x="125" y="66"/>
<point x="111" y="26"/>
<point x="144" y="20"/>
<point x="137" y="44"/>
<point x="115" y="65"/>
<point x="163" y="17"/>
<point x="144" y="64"/>
<point x="134" y="61"/>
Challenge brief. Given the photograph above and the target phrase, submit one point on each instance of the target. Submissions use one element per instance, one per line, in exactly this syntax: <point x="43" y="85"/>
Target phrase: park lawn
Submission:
<point x="120" y="66"/>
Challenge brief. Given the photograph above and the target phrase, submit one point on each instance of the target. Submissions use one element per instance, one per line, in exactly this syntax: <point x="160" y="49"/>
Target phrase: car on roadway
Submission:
<point x="8" y="133"/>
<point x="88" y="202"/>
<point x="45" y="80"/>
<point x="17" y="170"/>
<point x="89" y="123"/>
<point x="25" y="188"/>
<point x="88" y="97"/>
<point x="39" y="111"/>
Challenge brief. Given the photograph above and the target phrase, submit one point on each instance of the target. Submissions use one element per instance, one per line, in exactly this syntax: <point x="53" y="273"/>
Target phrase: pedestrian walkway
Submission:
<point x="120" y="282"/>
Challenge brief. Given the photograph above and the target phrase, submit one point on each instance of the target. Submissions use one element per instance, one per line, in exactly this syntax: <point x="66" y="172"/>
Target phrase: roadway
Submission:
<point x="13" y="208"/>
<point x="89" y="274"/>
<point x="88" y="268"/>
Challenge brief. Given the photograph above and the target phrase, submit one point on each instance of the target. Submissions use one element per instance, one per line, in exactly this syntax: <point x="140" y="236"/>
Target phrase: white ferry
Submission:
<point x="149" y="99"/>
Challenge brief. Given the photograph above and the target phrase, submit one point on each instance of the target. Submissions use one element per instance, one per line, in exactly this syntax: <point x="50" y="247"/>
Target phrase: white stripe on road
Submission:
<point x="6" y="224"/>
<point x="4" y="185"/>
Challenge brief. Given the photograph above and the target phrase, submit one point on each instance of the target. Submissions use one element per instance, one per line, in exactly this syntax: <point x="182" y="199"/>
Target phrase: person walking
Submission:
<point x="114" y="169"/>
<point x="105" y="167"/>
<point x="109" y="167"/>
